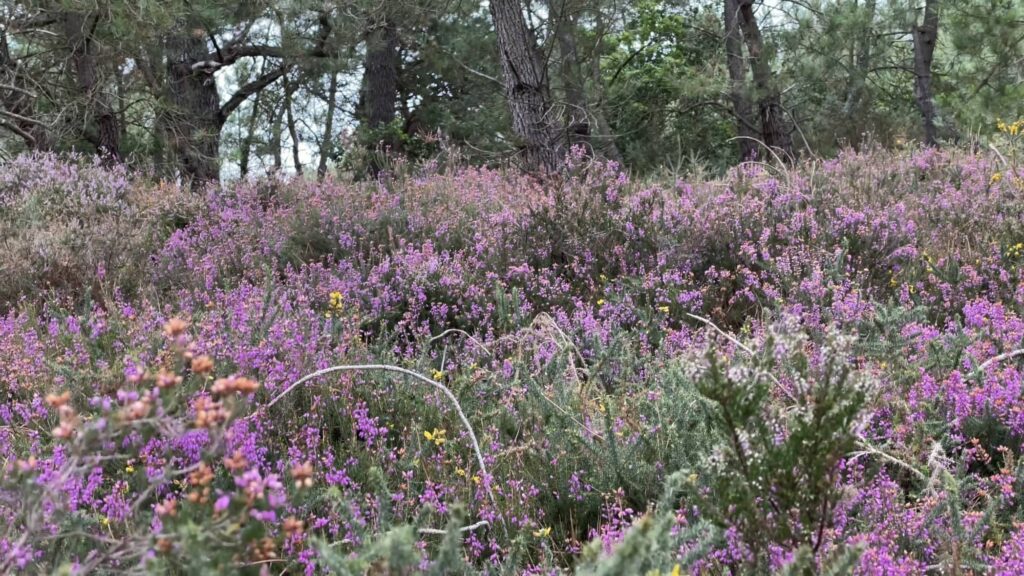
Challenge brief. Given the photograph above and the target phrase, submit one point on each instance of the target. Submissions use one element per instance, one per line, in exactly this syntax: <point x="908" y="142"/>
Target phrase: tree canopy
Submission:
<point x="204" y="89"/>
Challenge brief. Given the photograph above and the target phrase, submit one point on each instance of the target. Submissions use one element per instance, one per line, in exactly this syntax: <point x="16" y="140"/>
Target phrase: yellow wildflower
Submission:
<point x="436" y="436"/>
<point x="600" y="301"/>
<point x="460" y="472"/>
<point x="677" y="570"/>
<point x="996" y="178"/>
<point x="129" y="469"/>
<point x="476" y="479"/>
<point x="663" y="309"/>
<point x="438" y="375"/>
<point x="1013" y="129"/>
<point x="542" y="533"/>
<point x="335" y="304"/>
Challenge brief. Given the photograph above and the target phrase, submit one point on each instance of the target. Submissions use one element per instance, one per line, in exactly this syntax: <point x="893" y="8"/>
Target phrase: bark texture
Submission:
<point x="379" y="100"/>
<point x="16" y="111"/>
<point x="746" y="127"/>
<point x="775" y="131"/>
<point x="293" y="131"/>
<point x="326" y="140"/>
<point x="193" y="106"/>
<point x="602" y="135"/>
<point x="925" y="36"/>
<point x="101" y="126"/>
<point x="526" y="88"/>
<point x="577" y="109"/>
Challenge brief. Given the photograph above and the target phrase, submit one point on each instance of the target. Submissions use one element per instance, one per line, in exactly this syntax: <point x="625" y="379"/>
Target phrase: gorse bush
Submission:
<point x="803" y="371"/>
<point x="774" y="479"/>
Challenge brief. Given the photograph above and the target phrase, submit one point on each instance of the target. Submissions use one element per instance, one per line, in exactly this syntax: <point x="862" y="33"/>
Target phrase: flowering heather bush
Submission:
<point x="806" y="371"/>
<point x="76" y="227"/>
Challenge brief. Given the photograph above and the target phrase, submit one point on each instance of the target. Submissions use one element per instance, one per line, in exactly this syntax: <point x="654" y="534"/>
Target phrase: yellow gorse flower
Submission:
<point x="335" y="304"/>
<point x="438" y="375"/>
<point x="542" y="533"/>
<point x="436" y="436"/>
<point x="1013" y="128"/>
<point x="996" y="178"/>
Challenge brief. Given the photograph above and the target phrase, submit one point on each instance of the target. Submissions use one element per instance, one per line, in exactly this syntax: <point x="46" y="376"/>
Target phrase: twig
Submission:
<point x="464" y="333"/>
<point x="1000" y="358"/>
<point x="469" y="528"/>
<point x="398" y="370"/>
<point x="728" y="336"/>
<point x="996" y="150"/>
<point x="869" y="449"/>
<point x="743" y="347"/>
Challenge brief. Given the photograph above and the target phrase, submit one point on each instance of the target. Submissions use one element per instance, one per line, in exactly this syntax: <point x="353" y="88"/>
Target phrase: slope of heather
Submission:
<point x="808" y="369"/>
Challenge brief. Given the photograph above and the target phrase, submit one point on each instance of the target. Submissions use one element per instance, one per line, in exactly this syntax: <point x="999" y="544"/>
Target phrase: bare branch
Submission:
<point x="248" y="90"/>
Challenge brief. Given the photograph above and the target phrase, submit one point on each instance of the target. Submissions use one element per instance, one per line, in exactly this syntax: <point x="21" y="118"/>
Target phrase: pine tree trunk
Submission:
<point x="925" y="37"/>
<point x="526" y="87"/>
<point x="326" y="140"/>
<point x="18" y="102"/>
<point x="775" y="131"/>
<point x="276" y="138"/>
<point x="602" y="135"/>
<point x="102" y="128"/>
<point x="746" y="129"/>
<point x="293" y="132"/>
<point x="193" y="106"/>
<point x="577" y="110"/>
<point x="250" y="137"/>
<point x="854" y="105"/>
<point x="379" y="99"/>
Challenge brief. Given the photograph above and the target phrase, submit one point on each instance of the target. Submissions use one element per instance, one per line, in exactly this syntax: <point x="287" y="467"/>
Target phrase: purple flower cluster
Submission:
<point x="563" y="315"/>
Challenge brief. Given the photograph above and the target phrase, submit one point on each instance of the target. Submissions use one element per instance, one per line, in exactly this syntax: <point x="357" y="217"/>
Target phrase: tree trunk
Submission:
<point x="276" y="138"/>
<point x="17" y="103"/>
<point x="250" y="138"/>
<point x="577" y="110"/>
<point x="327" y="139"/>
<point x="601" y="135"/>
<point x="193" y="116"/>
<point x="380" y="90"/>
<point x="854" y="105"/>
<point x="925" y="37"/>
<point x="775" y="131"/>
<point x="746" y="129"/>
<point x="293" y="132"/>
<point x="526" y="87"/>
<point x="102" y="128"/>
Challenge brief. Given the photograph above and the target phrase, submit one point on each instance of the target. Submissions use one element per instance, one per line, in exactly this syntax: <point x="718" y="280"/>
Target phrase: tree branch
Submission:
<point x="28" y="138"/>
<point x="248" y="90"/>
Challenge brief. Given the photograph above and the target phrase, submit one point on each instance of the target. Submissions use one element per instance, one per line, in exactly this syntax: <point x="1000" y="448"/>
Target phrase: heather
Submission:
<point x="809" y="369"/>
